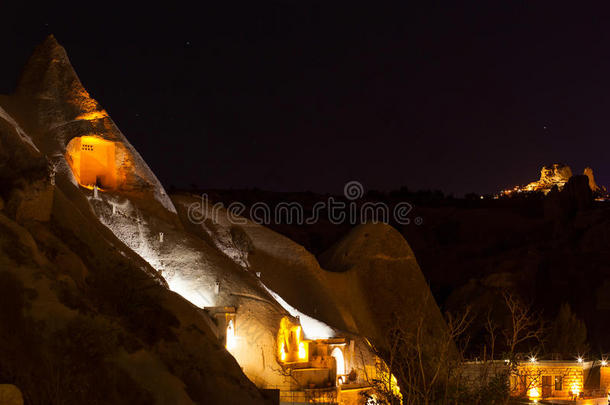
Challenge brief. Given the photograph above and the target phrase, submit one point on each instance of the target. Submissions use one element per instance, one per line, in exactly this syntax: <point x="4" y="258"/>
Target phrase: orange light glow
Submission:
<point x="92" y="161"/>
<point x="93" y="115"/>
<point x="534" y="393"/>
<point x="231" y="339"/>
<point x="291" y="345"/>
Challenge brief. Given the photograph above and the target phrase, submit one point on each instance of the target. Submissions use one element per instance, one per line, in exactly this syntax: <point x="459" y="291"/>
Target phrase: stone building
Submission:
<point x="543" y="379"/>
<point x="549" y="378"/>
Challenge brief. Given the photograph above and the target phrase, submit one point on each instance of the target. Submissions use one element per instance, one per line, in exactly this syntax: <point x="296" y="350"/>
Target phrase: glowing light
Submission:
<point x="554" y="175"/>
<point x="93" y="115"/>
<point x="291" y="345"/>
<point x="312" y="328"/>
<point x="92" y="161"/>
<point x="580" y="359"/>
<point x="231" y="339"/>
<point x="189" y="290"/>
<point x="302" y="351"/>
<point x="604" y="363"/>
<point x="337" y="353"/>
<point x="533" y="359"/>
<point x="575" y="389"/>
<point x="534" y="392"/>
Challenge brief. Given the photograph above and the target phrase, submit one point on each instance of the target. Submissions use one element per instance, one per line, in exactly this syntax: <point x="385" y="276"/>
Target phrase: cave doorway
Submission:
<point x="337" y="353"/>
<point x="92" y="160"/>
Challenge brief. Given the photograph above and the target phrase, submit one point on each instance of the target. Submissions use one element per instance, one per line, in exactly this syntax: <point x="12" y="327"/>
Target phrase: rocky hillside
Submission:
<point x="549" y="249"/>
<point x="358" y="286"/>
<point x="106" y="276"/>
<point x="83" y="318"/>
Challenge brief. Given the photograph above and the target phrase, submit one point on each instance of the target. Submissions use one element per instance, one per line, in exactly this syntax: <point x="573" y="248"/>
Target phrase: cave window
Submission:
<point x="92" y="160"/>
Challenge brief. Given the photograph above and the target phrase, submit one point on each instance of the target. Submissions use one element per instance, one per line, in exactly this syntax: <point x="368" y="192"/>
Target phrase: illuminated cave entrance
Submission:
<point x="92" y="160"/>
<point x="338" y="355"/>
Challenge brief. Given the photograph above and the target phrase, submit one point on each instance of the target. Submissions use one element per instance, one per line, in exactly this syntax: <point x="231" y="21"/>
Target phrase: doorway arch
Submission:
<point x="337" y="353"/>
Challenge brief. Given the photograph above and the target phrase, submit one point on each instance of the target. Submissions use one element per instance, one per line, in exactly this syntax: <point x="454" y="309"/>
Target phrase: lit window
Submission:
<point x="302" y="351"/>
<point x="558" y="383"/>
<point x="231" y="340"/>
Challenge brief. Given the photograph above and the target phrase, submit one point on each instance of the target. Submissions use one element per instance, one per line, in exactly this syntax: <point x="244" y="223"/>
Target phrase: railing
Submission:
<point x="291" y="396"/>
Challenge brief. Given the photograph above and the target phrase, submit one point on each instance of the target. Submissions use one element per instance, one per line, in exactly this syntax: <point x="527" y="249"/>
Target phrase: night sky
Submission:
<point x="297" y="95"/>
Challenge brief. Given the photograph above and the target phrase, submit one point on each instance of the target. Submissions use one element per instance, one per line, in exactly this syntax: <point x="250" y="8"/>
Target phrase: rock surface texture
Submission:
<point x="110" y="291"/>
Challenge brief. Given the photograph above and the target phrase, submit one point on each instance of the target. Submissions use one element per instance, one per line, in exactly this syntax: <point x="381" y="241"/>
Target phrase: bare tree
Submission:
<point x="524" y="323"/>
<point x="423" y="365"/>
<point x="429" y="370"/>
<point x="491" y="327"/>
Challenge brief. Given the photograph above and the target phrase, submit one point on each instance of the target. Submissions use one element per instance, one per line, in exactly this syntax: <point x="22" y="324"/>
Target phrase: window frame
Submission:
<point x="558" y="381"/>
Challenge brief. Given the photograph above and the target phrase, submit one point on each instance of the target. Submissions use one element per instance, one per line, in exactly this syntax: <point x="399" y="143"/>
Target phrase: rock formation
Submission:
<point x="105" y="244"/>
<point x="374" y="264"/>
<point x="80" y="306"/>
<point x="10" y="395"/>
<point x="555" y="175"/>
<point x="574" y="197"/>
<point x="53" y="107"/>
<point x="92" y="232"/>
<point x="364" y="283"/>
<point x="596" y="189"/>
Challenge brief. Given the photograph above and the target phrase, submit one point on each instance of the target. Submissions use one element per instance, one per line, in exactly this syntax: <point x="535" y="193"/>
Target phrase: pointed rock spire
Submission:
<point x="55" y="108"/>
<point x="592" y="184"/>
<point x="49" y="61"/>
<point x="49" y="80"/>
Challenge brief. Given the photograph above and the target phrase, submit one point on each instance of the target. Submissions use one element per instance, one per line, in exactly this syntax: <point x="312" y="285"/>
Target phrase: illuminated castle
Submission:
<point x="555" y="175"/>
